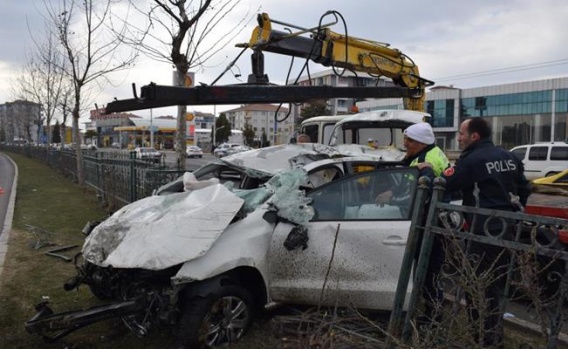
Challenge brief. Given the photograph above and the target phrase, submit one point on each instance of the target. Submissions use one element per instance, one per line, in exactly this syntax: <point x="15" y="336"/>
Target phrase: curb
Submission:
<point x="524" y="325"/>
<point x="5" y="234"/>
<point x="518" y="323"/>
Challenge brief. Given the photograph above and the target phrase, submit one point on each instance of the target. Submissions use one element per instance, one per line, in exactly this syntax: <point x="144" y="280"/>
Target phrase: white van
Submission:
<point x="543" y="159"/>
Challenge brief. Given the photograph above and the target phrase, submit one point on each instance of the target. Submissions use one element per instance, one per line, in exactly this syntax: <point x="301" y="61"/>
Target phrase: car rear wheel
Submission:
<point x="222" y="316"/>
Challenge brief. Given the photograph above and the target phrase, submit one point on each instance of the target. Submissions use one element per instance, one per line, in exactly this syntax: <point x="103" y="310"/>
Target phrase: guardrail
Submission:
<point x="118" y="177"/>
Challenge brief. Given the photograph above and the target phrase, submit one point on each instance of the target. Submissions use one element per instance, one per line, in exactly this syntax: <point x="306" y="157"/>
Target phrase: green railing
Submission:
<point x="118" y="177"/>
<point x="530" y="269"/>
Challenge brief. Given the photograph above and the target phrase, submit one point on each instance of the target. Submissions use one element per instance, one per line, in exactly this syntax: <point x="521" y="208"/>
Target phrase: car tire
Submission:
<point x="549" y="174"/>
<point x="220" y="317"/>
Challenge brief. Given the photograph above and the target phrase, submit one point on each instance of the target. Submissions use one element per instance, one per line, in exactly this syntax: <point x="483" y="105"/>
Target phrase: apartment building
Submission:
<point x="273" y="120"/>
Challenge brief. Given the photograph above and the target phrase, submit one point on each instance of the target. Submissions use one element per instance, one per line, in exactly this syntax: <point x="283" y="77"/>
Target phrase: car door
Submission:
<point x="355" y="246"/>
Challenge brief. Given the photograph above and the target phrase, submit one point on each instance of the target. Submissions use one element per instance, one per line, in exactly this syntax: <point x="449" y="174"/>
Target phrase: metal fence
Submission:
<point x="118" y="177"/>
<point x="534" y="269"/>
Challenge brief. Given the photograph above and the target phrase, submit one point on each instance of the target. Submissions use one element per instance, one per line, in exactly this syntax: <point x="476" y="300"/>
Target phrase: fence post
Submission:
<point x="408" y="259"/>
<point x="100" y="179"/>
<point x="132" y="176"/>
<point x="424" y="255"/>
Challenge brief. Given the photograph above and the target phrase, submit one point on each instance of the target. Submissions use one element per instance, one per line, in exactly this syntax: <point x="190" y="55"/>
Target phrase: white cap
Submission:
<point x="370" y="140"/>
<point x="421" y="132"/>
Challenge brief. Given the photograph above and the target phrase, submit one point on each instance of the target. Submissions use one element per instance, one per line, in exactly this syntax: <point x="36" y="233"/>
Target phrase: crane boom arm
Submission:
<point x="332" y="49"/>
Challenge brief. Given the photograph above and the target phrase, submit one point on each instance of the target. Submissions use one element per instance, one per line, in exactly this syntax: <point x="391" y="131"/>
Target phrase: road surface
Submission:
<point x="7" y="178"/>
<point x="7" y="172"/>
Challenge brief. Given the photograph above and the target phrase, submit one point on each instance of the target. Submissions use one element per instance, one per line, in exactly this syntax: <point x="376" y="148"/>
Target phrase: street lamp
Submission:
<point x="215" y="133"/>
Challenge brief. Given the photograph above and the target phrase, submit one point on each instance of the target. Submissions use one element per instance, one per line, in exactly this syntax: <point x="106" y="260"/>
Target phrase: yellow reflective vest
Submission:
<point x="436" y="158"/>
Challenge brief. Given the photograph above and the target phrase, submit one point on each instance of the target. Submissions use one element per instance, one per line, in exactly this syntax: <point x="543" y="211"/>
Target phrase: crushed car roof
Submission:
<point x="392" y="116"/>
<point x="278" y="158"/>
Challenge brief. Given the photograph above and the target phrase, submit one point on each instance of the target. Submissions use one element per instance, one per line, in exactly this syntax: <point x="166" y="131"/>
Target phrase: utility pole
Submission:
<point x="214" y="127"/>
<point x="151" y="130"/>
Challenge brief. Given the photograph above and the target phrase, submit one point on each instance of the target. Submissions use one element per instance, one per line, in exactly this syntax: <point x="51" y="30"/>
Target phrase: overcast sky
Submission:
<point x="461" y="43"/>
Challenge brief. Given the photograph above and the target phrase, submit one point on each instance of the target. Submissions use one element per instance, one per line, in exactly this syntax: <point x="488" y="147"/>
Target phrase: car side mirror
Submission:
<point x="298" y="237"/>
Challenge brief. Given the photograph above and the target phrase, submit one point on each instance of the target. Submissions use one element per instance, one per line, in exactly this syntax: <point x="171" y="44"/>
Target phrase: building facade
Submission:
<point x="519" y="113"/>
<point x="272" y="120"/>
<point x="111" y="128"/>
<point x="339" y="106"/>
<point x="21" y="121"/>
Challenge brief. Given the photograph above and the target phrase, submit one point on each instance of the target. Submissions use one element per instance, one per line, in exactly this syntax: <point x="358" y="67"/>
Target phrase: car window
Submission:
<point x="324" y="175"/>
<point x="520" y="152"/>
<point x="223" y="172"/>
<point x="559" y="153"/>
<point x="353" y="197"/>
<point x="538" y="153"/>
<point x="214" y="170"/>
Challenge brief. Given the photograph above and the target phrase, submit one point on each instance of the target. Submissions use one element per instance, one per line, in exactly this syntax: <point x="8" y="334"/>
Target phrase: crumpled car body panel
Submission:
<point x="363" y="273"/>
<point x="158" y="232"/>
<point x="244" y="243"/>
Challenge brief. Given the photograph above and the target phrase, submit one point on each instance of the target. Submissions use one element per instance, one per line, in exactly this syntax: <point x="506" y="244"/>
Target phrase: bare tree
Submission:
<point x="64" y="106"/>
<point x="42" y="80"/>
<point x="186" y="34"/>
<point x="92" y="48"/>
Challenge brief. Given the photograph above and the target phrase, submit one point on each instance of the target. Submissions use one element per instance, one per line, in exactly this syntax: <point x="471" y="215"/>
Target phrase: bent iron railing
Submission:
<point x="535" y="272"/>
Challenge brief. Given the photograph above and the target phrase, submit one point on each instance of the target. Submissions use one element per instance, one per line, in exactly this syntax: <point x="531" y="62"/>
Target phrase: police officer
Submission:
<point x="492" y="178"/>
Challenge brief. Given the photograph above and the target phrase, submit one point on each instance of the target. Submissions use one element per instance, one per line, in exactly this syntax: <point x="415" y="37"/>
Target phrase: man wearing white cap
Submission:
<point x="421" y="151"/>
<point x="419" y="142"/>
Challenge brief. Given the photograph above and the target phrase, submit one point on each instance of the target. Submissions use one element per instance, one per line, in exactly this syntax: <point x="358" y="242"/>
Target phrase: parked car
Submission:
<point x="234" y="150"/>
<point x="64" y="146"/>
<point x="245" y="231"/>
<point x="194" y="151"/>
<point x="543" y="159"/>
<point x="222" y="150"/>
<point x="559" y="180"/>
<point x="148" y="153"/>
<point x="88" y="147"/>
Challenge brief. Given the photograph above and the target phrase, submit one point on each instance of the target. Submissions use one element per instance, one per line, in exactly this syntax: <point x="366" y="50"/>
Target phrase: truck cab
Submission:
<point x="384" y="126"/>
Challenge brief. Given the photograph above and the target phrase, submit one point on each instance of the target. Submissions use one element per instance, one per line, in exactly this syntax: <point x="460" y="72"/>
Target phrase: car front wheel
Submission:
<point x="221" y="317"/>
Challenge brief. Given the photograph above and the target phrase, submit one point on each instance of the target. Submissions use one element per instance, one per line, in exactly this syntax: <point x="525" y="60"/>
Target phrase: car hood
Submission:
<point x="161" y="231"/>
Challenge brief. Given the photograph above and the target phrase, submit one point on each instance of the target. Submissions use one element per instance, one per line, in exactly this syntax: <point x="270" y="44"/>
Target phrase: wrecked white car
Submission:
<point x="242" y="233"/>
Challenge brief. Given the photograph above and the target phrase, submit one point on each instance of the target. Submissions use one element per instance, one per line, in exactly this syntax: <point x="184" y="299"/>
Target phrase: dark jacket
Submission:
<point x="498" y="174"/>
